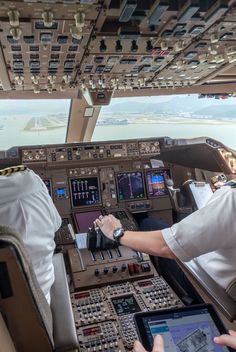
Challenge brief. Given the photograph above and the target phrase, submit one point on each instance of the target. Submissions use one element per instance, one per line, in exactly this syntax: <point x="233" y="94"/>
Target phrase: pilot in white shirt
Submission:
<point x="25" y="205"/>
<point x="208" y="235"/>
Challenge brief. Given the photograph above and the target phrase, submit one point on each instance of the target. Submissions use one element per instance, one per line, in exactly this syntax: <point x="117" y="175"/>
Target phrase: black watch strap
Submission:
<point x="117" y="234"/>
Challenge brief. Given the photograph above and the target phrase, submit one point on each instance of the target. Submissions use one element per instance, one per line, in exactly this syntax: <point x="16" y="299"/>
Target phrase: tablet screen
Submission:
<point x="187" y="329"/>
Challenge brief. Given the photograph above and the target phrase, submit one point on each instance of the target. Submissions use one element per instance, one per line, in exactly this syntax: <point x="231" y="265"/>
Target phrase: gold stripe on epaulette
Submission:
<point x="11" y="170"/>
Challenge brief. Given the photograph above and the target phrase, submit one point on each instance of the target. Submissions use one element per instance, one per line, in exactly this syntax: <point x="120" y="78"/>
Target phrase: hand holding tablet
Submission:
<point x="183" y="329"/>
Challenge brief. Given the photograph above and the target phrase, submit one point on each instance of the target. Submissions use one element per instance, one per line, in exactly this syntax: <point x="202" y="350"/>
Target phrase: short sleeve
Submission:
<point x="209" y="229"/>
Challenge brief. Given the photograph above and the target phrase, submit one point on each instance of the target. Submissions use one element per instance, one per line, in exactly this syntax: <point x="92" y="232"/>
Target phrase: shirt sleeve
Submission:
<point x="56" y="218"/>
<point x="209" y="229"/>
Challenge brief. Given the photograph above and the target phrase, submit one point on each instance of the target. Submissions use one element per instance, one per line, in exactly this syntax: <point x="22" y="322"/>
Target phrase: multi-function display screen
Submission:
<point x="85" y="220"/>
<point x="130" y="185"/>
<point x="156" y="182"/>
<point x="125" y="305"/>
<point x="85" y="191"/>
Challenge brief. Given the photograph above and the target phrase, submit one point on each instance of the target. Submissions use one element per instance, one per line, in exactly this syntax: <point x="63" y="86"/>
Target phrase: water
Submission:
<point x="12" y="136"/>
<point x="224" y="133"/>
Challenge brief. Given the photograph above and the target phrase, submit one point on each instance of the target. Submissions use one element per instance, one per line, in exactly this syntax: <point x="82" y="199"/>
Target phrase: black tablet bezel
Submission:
<point x="142" y="333"/>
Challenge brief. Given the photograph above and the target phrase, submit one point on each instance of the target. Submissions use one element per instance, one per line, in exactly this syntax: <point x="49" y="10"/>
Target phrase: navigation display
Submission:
<point x="156" y="182"/>
<point x="130" y="185"/>
<point x="85" y="191"/>
<point x="183" y="329"/>
<point x="85" y="220"/>
<point x="125" y="305"/>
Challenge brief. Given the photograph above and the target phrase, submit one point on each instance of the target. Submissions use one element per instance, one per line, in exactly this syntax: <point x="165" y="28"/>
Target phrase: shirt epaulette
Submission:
<point x="11" y="170"/>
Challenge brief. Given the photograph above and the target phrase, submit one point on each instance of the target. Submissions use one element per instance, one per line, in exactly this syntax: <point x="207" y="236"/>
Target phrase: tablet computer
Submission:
<point x="186" y="329"/>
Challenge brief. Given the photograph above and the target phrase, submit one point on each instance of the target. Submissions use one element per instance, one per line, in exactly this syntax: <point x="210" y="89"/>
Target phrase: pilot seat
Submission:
<point x="32" y="324"/>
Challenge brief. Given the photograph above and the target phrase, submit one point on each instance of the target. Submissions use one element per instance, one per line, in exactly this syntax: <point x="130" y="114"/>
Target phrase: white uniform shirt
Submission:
<point x="210" y="235"/>
<point x="26" y="206"/>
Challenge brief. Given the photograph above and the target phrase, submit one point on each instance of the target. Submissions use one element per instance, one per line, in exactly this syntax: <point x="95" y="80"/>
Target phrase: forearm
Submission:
<point x="150" y="242"/>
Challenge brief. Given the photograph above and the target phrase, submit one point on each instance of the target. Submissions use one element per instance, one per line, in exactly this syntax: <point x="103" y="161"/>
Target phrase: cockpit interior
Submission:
<point x="122" y="107"/>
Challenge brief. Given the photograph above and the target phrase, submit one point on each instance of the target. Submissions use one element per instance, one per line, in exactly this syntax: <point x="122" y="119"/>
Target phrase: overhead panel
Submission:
<point x="101" y="47"/>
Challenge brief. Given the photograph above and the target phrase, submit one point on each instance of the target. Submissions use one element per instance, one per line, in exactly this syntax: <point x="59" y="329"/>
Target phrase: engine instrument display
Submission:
<point x="130" y="185"/>
<point x="125" y="305"/>
<point x="85" y="191"/>
<point x="156" y="182"/>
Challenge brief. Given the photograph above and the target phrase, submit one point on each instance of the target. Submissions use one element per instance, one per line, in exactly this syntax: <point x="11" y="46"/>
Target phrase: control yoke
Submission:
<point x="96" y="240"/>
<point x="173" y="193"/>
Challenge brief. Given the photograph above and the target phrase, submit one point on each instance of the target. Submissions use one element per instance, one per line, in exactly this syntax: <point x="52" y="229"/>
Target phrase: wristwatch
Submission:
<point x="117" y="234"/>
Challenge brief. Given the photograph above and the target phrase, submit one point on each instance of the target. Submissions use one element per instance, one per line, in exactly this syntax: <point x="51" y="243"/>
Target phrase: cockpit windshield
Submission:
<point x="176" y="116"/>
<point x="30" y="122"/>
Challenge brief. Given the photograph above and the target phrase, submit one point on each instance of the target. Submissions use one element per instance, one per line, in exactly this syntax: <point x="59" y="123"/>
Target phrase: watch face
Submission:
<point x="118" y="233"/>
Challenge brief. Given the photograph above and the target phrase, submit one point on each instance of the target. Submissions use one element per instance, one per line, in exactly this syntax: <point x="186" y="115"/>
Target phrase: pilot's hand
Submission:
<point x="108" y="224"/>
<point x="227" y="340"/>
<point x="158" y="345"/>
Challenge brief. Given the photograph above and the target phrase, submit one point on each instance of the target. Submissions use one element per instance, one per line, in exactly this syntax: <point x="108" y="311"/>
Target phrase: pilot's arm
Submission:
<point x="209" y="229"/>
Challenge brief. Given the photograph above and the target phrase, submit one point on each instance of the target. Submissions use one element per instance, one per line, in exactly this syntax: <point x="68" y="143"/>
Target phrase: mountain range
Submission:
<point x="201" y="107"/>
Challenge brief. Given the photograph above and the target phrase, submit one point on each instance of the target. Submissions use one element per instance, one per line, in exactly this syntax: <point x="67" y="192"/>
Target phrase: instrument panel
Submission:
<point x="90" y="151"/>
<point x="103" y="46"/>
<point x="104" y="316"/>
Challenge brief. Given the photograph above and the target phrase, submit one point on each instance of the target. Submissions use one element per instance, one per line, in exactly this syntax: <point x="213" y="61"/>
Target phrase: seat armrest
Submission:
<point x="65" y="338"/>
<point x="216" y="293"/>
